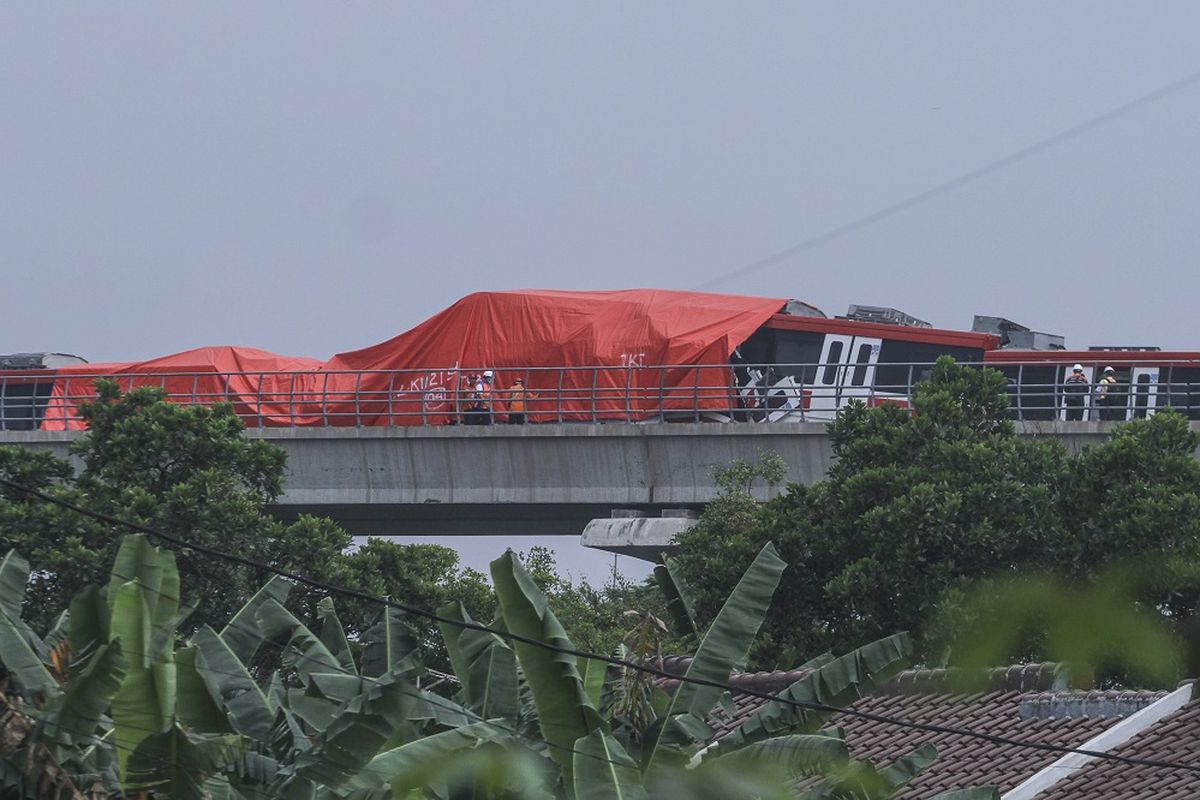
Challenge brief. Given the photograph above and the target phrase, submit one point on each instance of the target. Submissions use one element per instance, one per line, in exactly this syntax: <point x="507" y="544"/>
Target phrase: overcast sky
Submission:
<point x="310" y="178"/>
<point x="315" y="177"/>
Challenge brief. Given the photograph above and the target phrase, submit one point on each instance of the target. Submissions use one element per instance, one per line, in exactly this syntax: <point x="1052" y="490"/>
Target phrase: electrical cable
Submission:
<point x="955" y="182"/>
<point x="643" y="668"/>
<point x="425" y="696"/>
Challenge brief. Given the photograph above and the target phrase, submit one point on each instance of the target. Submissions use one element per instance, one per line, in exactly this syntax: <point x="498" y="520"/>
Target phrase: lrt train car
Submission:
<point x="807" y="368"/>
<point x="1147" y="380"/>
<point x="26" y="383"/>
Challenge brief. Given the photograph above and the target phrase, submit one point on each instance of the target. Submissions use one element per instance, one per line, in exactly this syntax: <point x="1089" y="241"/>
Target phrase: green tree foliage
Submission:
<point x="918" y="505"/>
<point x="189" y="470"/>
<point x="597" y="617"/>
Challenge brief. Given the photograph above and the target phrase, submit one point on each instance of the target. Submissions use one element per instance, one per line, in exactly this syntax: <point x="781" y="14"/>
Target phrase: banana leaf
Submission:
<point x="22" y="661"/>
<point x="565" y="713"/>
<point x="837" y="683"/>
<point x="144" y="704"/>
<point x="231" y="686"/>
<point x="58" y="631"/>
<point x="337" y="686"/>
<point x="863" y="779"/>
<point x="88" y="696"/>
<point x="443" y="713"/>
<point x="242" y="633"/>
<point x="723" y="649"/>
<point x="194" y="702"/>
<point x="88" y="620"/>
<point x="452" y="637"/>
<point x="390" y="646"/>
<point x="175" y="765"/>
<point x="485" y="665"/>
<point x="13" y="579"/>
<point x="593" y="672"/>
<point x="304" y="652"/>
<point x="333" y="636"/>
<point x="14" y="575"/>
<point x="800" y="754"/>
<point x="400" y="762"/>
<point x="145" y="565"/>
<point x="679" y="604"/>
<point x="316" y="712"/>
<point x="356" y="735"/>
<point x="604" y="771"/>
<point x="900" y="772"/>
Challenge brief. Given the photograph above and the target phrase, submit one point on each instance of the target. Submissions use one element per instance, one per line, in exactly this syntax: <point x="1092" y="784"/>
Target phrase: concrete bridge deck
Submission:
<point x="533" y="479"/>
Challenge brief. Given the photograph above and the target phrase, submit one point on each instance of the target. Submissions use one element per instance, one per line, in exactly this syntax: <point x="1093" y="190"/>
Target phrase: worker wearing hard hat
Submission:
<point x="518" y="402"/>
<point x="1110" y="400"/>
<point x="480" y="410"/>
<point x="1075" y="390"/>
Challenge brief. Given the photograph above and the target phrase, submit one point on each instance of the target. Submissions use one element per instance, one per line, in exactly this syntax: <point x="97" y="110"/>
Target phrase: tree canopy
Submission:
<point x="188" y="470"/>
<point x="920" y="503"/>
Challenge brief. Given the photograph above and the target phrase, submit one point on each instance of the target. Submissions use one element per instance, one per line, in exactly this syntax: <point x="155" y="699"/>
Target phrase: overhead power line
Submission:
<point x="955" y="183"/>
<point x="643" y="668"/>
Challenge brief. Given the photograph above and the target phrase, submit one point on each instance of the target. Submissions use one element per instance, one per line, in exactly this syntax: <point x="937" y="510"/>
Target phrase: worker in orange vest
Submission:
<point x="518" y="400"/>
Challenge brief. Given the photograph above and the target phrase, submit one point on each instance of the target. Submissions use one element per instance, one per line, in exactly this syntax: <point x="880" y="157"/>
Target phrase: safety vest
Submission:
<point x="516" y="402"/>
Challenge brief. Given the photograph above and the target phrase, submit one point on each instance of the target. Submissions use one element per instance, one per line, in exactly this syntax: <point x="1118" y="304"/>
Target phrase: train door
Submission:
<point x="1089" y="373"/>
<point x="858" y="377"/>
<point x="831" y="370"/>
<point x="846" y="371"/>
<point x="1143" y="392"/>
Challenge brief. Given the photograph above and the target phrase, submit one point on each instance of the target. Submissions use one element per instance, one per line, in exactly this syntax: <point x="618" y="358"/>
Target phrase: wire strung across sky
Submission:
<point x="643" y="668"/>
<point x="956" y="182"/>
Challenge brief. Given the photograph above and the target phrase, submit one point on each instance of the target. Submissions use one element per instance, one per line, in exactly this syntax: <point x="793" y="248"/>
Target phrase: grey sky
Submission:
<point x="315" y="177"/>
<point x="310" y="178"/>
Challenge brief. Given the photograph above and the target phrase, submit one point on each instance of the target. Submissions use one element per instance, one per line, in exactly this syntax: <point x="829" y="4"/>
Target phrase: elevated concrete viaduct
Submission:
<point x="533" y="479"/>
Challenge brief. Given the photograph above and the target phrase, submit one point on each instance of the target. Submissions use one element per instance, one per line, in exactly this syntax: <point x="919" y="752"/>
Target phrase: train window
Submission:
<point x="892" y="373"/>
<point x="835" y="358"/>
<point x="1038" y="397"/>
<point x="1179" y="388"/>
<point x="757" y="349"/>
<point x="800" y="352"/>
<point x="22" y="404"/>
<point x="861" y="361"/>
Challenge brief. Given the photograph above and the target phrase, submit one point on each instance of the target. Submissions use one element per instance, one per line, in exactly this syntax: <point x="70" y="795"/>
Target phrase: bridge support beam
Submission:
<point x="530" y="479"/>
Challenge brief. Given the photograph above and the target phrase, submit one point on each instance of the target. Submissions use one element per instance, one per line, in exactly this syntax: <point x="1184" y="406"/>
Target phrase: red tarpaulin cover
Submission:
<point x="239" y="375"/>
<point x="604" y="336"/>
<point x="612" y="342"/>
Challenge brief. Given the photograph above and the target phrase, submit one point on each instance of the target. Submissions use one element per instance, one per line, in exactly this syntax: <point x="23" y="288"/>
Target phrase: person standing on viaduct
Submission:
<point x="1108" y="397"/>
<point x="479" y="403"/>
<point x="518" y="402"/>
<point x="1075" y="391"/>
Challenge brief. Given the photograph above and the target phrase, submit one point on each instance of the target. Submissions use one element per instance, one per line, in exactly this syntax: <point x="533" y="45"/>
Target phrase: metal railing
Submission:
<point x="661" y="393"/>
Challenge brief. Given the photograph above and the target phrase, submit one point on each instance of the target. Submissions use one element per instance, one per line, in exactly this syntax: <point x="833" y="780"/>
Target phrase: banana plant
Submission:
<point x="110" y="703"/>
<point x="101" y="688"/>
<point x="586" y="757"/>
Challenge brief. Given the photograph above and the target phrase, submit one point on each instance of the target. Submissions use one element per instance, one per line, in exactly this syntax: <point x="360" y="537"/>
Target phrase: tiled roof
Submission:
<point x="1025" y="702"/>
<point x="1174" y="738"/>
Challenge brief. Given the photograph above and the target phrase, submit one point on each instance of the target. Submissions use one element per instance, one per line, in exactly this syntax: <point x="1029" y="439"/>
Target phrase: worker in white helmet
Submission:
<point x="1075" y="390"/>
<point x="1108" y="398"/>
<point x="479" y="412"/>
